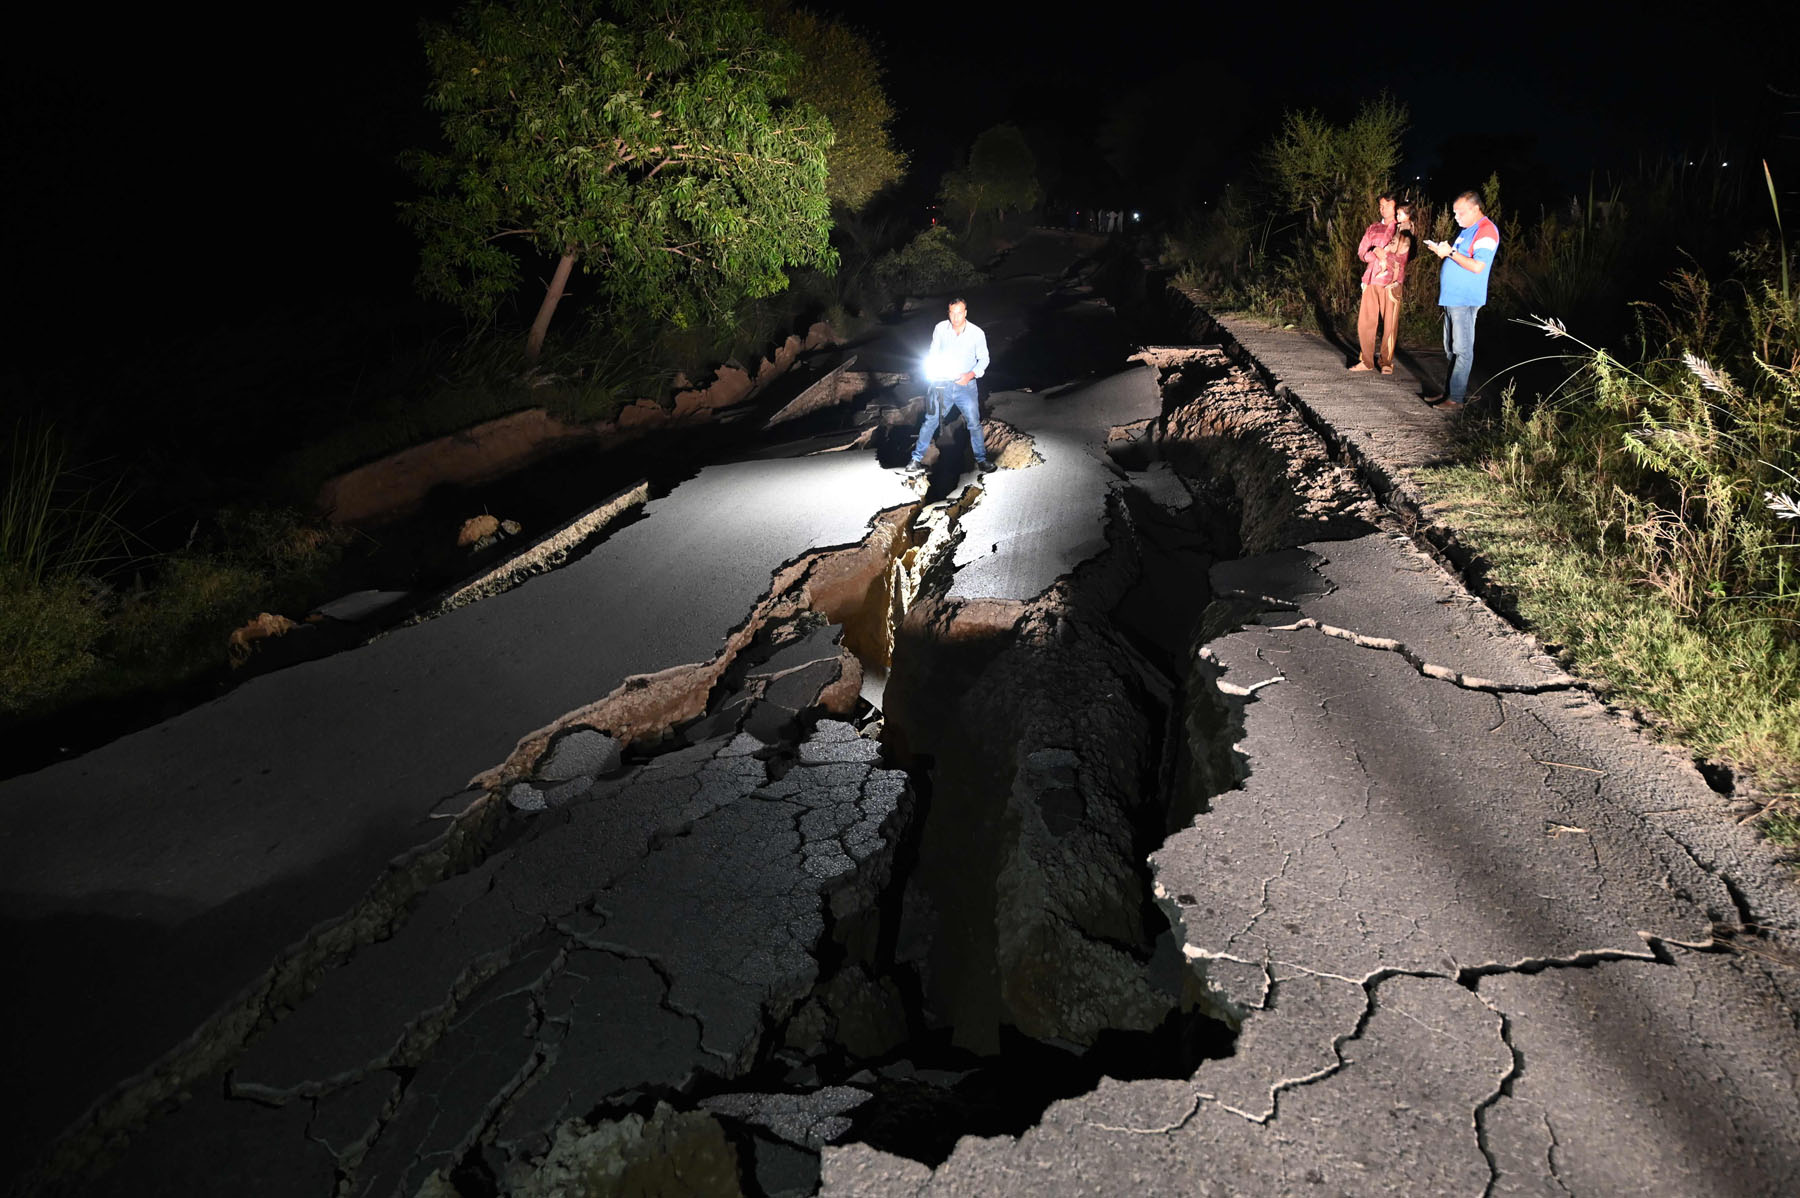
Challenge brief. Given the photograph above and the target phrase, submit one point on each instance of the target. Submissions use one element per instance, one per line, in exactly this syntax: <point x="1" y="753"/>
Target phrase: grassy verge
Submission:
<point x="1729" y="689"/>
<point x="1641" y="516"/>
<point x="68" y="637"/>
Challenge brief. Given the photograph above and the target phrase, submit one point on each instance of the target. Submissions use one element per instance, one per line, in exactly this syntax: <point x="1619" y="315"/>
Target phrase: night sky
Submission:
<point x="214" y="167"/>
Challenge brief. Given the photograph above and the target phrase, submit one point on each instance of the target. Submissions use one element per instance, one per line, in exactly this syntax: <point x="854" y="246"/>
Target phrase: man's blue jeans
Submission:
<point x="963" y="399"/>
<point x="1459" y="349"/>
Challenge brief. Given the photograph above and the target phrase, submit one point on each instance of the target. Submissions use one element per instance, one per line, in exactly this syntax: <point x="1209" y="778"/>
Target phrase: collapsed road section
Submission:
<point x="1463" y="920"/>
<point x="908" y="563"/>
<point x="1150" y="817"/>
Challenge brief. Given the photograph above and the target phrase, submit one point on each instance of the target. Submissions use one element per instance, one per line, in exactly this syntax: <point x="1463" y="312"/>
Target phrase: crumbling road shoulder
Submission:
<point x="1464" y="956"/>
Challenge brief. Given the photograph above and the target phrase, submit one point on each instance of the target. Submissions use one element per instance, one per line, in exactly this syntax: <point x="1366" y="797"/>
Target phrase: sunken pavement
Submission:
<point x="1151" y="816"/>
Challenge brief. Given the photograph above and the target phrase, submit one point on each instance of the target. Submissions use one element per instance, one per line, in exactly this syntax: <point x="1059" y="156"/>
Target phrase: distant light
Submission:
<point x="1724" y="164"/>
<point x="1137" y="216"/>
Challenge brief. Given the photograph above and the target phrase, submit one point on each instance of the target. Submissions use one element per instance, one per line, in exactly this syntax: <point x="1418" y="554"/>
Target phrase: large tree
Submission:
<point x="840" y="75"/>
<point x="1001" y="174"/>
<point x="652" y="143"/>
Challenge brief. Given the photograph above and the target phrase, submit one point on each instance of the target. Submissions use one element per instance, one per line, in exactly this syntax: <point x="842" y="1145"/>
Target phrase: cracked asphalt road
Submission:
<point x="1464" y="915"/>
<point x="562" y="971"/>
<point x="1462" y="919"/>
<point x="149" y="881"/>
<point x="1456" y="941"/>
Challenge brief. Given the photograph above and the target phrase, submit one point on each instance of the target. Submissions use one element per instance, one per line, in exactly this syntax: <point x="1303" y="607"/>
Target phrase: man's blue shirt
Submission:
<point x="1459" y="287"/>
<point x="952" y="356"/>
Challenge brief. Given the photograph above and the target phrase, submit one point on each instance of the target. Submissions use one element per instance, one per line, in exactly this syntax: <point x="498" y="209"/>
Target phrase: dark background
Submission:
<point x="188" y="173"/>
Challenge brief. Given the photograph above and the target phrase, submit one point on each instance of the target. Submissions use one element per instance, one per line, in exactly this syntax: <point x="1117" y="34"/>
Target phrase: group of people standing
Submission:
<point x="959" y="349"/>
<point x="1467" y="261"/>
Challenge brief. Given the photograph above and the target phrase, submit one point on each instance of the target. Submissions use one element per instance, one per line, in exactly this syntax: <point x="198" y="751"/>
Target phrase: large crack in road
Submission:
<point x="1146" y="818"/>
<point x="1426" y="885"/>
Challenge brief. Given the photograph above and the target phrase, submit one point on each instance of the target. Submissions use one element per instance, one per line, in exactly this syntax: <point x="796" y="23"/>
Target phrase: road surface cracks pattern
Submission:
<point x="1422" y="1011"/>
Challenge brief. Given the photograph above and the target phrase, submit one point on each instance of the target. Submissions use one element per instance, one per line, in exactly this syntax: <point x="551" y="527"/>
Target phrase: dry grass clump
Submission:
<point x="87" y="610"/>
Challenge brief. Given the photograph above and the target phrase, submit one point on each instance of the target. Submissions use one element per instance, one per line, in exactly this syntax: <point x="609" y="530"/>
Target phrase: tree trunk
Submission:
<point x="534" y="344"/>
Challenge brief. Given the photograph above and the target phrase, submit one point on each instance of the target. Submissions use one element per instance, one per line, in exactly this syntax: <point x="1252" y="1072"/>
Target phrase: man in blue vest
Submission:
<point x="1462" y="290"/>
<point x="959" y="356"/>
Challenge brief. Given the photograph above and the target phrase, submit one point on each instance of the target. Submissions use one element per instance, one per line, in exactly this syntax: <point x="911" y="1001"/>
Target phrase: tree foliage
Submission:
<point x="653" y="144"/>
<point x="840" y="75"/>
<point x="925" y="265"/>
<point x="1331" y="175"/>
<point x="1001" y="174"/>
<point x="1331" y="172"/>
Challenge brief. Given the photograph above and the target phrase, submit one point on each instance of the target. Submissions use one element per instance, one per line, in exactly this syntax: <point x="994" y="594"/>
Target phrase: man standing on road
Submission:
<point x="1377" y="301"/>
<point x="959" y="356"/>
<point x="1462" y="290"/>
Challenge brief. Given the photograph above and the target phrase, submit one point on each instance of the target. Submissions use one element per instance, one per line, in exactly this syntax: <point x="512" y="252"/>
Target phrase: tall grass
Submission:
<point x="52" y="521"/>
<point x="1671" y="458"/>
<point x="56" y="530"/>
<point x="1643" y="511"/>
<point x="76" y="618"/>
<point x="1283" y="243"/>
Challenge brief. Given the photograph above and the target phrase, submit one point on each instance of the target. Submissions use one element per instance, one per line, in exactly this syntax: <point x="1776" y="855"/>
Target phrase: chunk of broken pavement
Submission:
<point x="584" y="753"/>
<point x="526" y="797"/>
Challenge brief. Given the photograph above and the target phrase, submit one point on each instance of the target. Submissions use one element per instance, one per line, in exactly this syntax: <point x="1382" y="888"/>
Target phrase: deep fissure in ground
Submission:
<point x="910" y="1007"/>
<point x="916" y="1005"/>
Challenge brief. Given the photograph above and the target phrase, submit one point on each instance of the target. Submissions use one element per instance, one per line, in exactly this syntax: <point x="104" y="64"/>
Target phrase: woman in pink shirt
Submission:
<point x="1389" y="273"/>
<point x="1384" y="250"/>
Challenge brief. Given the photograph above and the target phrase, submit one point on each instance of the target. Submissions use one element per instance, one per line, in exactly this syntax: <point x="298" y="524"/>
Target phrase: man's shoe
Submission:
<point x="985" y="467"/>
<point x="913" y="469"/>
<point x="1358" y="367"/>
<point x="1453" y="405"/>
<point x="1433" y="400"/>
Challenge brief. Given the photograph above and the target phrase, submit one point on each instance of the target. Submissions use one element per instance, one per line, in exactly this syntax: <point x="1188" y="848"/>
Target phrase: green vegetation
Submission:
<point x="656" y="146"/>
<point x="1728" y="688"/>
<point x="840" y="75"/>
<point x="54" y="531"/>
<point x="926" y="265"/>
<point x="174" y="623"/>
<point x="69" y="629"/>
<point x="1329" y="175"/>
<point x="1000" y="176"/>
<point x="1283" y="243"/>
<point x="1643" y="517"/>
<point x="51" y="522"/>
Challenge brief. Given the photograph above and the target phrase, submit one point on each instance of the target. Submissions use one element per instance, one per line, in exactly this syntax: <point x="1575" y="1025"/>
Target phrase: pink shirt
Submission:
<point x="1395" y="272"/>
<point x="1377" y="234"/>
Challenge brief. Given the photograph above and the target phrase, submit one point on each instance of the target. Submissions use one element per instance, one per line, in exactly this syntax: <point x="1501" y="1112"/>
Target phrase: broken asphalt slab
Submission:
<point x="647" y="933"/>
<point x="1453" y="939"/>
<point x="149" y="881"/>
<point x="1047" y="519"/>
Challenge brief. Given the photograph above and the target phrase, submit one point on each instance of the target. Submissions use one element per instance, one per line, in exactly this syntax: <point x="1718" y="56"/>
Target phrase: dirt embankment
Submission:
<point x="397" y="483"/>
